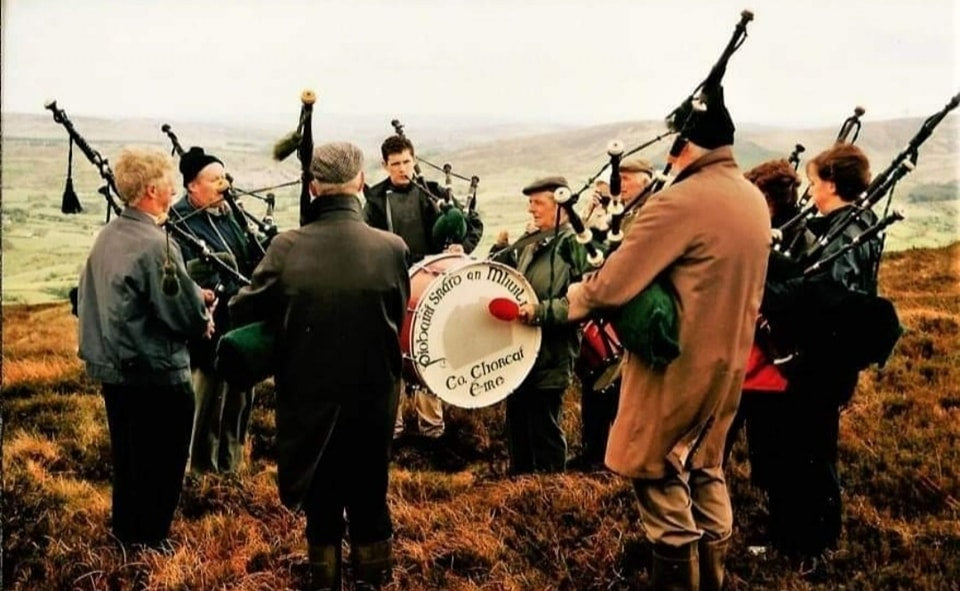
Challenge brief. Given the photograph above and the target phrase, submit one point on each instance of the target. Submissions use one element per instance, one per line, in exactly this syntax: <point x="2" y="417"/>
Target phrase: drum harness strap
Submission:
<point x="535" y="237"/>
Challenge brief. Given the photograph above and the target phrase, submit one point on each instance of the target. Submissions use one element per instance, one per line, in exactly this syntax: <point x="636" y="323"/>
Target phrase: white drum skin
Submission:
<point x="454" y="346"/>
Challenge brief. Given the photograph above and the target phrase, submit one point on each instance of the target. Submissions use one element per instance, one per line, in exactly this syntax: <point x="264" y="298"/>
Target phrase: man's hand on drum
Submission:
<point x="454" y="249"/>
<point x="528" y="314"/>
<point x="576" y="310"/>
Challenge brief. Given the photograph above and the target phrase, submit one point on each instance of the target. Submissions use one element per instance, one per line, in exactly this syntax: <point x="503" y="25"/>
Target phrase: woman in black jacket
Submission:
<point x="804" y="490"/>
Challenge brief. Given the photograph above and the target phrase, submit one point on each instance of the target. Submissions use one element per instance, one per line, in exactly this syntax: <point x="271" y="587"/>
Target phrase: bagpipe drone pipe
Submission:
<point x="247" y="354"/>
<point x="71" y="205"/>
<point x="808" y="320"/>
<point x="455" y="218"/>
<point x="789" y="235"/>
<point x="300" y="140"/>
<point x="648" y="325"/>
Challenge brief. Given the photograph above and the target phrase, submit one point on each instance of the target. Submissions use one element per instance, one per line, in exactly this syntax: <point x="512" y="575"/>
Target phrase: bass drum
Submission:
<point x="599" y="363"/>
<point x="452" y="344"/>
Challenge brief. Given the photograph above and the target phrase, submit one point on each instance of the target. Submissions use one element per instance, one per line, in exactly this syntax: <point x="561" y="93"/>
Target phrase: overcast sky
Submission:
<point x="806" y="63"/>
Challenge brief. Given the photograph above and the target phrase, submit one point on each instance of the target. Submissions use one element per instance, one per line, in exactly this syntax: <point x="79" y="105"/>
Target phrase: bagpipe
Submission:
<point x="258" y="231"/>
<point x="300" y="140"/>
<point x="452" y="224"/>
<point x="881" y="186"/>
<point x="71" y="205"/>
<point x="246" y="354"/>
<point x="647" y="325"/>
<point x="808" y="321"/>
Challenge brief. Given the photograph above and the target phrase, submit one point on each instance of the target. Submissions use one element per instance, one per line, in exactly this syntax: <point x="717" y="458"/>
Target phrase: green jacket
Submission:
<point x="560" y="346"/>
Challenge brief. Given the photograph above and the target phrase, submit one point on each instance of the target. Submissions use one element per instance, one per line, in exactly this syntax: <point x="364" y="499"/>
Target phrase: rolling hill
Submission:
<point x="43" y="250"/>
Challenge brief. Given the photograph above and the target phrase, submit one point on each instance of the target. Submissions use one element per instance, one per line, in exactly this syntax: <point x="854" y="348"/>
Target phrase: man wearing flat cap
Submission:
<point x="598" y="409"/>
<point x="708" y="236"/>
<point x="222" y="413"/>
<point x="550" y="258"/>
<point x="338" y="368"/>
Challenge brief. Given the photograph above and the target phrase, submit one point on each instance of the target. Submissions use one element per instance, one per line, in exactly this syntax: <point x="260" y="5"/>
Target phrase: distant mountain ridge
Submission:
<point x="42" y="249"/>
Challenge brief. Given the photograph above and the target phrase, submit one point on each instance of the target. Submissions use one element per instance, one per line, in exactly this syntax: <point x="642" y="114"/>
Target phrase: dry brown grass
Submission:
<point x="461" y="523"/>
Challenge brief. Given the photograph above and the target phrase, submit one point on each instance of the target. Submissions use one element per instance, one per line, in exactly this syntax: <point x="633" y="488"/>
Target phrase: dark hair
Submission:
<point x="846" y="166"/>
<point x="778" y="182"/>
<point x="395" y="144"/>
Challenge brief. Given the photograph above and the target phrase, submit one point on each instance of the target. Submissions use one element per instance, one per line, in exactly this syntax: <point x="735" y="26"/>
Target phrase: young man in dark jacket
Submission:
<point x="410" y="210"/>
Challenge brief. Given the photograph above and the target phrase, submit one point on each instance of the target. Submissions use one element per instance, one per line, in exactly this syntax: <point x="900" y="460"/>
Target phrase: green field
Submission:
<point x="43" y="250"/>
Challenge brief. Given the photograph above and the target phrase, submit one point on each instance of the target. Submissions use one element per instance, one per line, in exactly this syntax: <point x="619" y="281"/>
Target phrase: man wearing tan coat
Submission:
<point x="708" y="234"/>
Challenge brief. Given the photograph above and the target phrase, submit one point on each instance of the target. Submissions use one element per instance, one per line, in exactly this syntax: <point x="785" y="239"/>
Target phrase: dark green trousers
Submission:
<point x="220" y="425"/>
<point x="534" y="436"/>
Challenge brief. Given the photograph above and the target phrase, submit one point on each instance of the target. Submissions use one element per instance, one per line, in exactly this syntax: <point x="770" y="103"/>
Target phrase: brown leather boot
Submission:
<point x="372" y="564"/>
<point x="675" y="568"/>
<point x="712" y="555"/>
<point x="324" y="568"/>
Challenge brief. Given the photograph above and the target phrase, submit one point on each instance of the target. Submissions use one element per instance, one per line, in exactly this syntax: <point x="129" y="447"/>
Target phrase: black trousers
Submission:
<point x="597" y="411"/>
<point x="534" y="436"/>
<point x="351" y="477"/>
<point x="149" y="441"/>
<point x="804" y="491"/>
<point x="761" y="414"/>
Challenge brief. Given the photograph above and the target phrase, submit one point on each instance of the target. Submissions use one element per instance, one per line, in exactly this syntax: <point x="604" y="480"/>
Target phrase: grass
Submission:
<point x="463" y="524"/>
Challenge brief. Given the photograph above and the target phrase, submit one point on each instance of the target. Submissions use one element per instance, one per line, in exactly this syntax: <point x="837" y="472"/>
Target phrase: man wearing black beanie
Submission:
<point x="708" y="234"/>
<point x="222" y="411"/>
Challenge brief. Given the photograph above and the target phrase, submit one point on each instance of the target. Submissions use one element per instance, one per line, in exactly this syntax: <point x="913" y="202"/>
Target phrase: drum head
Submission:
<point x="461" y="352"/>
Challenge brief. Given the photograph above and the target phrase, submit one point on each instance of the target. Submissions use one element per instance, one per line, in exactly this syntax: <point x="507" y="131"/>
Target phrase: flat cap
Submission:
<point x="336" y="162"/>
<point x="550" y="183"/>
<point x="636" y="164"/>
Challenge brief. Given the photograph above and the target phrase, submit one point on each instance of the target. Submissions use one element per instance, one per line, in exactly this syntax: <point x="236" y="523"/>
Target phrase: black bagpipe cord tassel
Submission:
<point x="70" y="203"/>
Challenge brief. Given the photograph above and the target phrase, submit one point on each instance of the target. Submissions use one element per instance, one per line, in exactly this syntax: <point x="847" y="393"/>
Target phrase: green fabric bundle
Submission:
<point x="246" y="356"/>
<point x="450" y="227"/>
<point x="574" y="254"/>
<point x="649" y="326"/>
<point x="206" y="273"/>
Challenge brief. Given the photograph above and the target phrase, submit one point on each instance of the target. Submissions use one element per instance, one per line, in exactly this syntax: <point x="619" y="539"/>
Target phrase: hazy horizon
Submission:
<point x="556" y="62"/>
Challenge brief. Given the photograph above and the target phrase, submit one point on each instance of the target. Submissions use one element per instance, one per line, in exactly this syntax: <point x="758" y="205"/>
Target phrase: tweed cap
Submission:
<point x="636" y="164"/>
<point x="550" y="183"/>
<point x="193" y="161"/>
<point x="336" y="162"/>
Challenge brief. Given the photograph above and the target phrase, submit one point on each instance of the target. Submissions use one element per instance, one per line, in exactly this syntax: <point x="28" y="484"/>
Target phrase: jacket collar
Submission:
<point x="548" y="236"/>
<point x="722" y="156"/>
<point x="819" y="224"/>
<point x="138" y="215"/>
<point x="333" y="206"/>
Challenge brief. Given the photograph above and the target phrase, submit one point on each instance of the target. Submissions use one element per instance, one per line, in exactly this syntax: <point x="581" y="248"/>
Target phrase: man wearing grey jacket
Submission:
<point x="137" y="308"/>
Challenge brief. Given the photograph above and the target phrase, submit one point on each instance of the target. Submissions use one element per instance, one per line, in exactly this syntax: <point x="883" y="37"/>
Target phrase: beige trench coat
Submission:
<point x="710" y="233"/>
